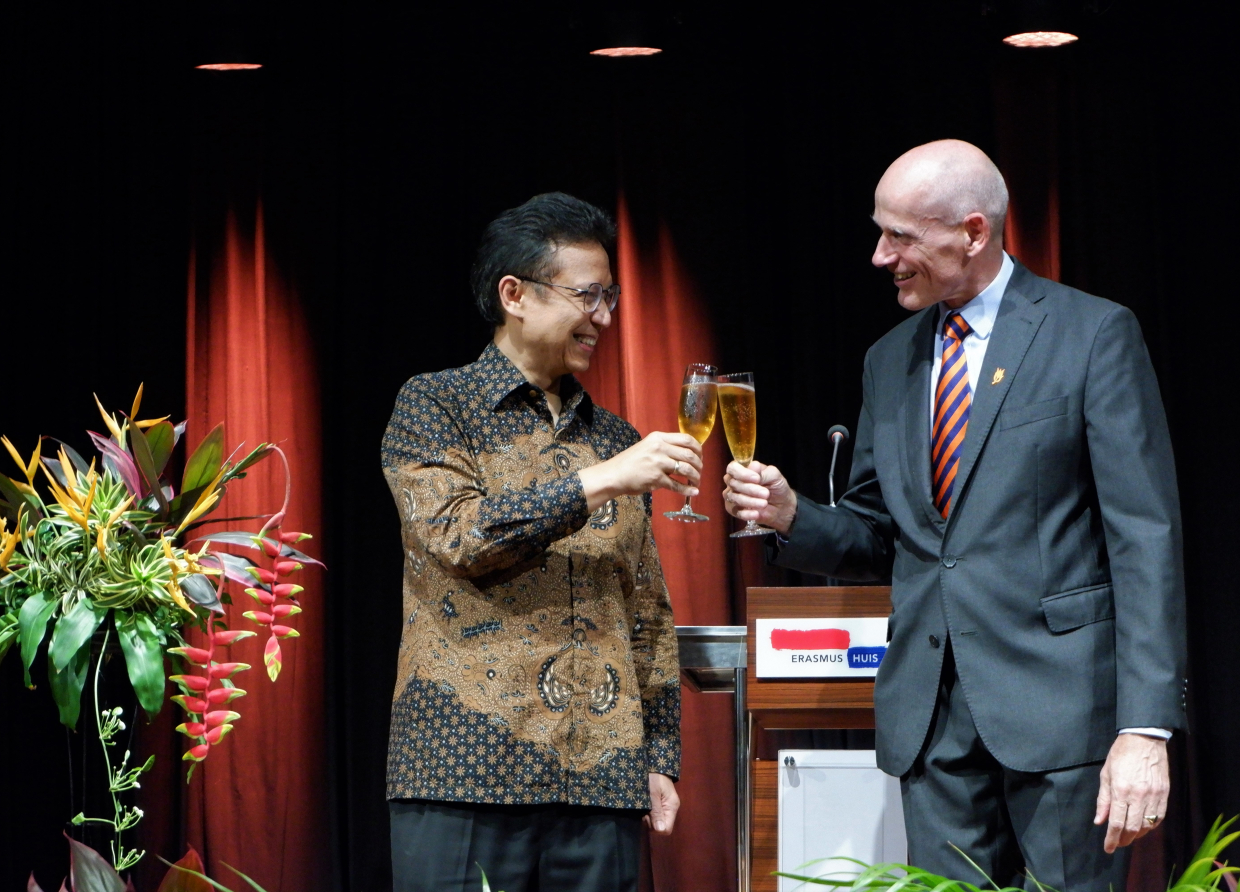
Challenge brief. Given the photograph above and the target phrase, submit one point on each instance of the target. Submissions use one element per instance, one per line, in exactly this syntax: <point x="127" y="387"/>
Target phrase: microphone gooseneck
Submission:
<point x="837" y="434"/>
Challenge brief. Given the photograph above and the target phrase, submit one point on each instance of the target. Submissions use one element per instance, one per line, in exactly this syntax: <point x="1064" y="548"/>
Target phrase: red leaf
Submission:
<point x="32" y="886"/>
<point x="193" y="654"/>
<point x="227" y="670"/>
<point x="192" y="729"/>
<point x="285" y="632"/>
<point x="272" y="657"/>
<point x="197" y="753"/>
<point x="293" y="538"/>
<point x="224" y="695"/>
<point x="230" y="637"/>
<point x="90" y="871"/>
<point x="262" y="574"/>
<point x="282" y="610"/>
<point x="220" y="716"/>
<point x="287" y="568"/>
<point x="262" y="619"/>
<point x="287" y="589"/>
<point x="195" y="683"/>
<point x="271" y="548"/>
<point x="215" y="735"/>
<point x="191" y="704"/>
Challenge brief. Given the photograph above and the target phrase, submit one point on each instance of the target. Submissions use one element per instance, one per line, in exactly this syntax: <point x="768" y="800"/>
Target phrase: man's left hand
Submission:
<point x="664" y="803"/>
<point x="1135" y="784"/>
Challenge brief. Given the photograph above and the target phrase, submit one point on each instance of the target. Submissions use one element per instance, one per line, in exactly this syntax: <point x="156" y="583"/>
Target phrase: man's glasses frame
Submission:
<point x="590" y="297"/>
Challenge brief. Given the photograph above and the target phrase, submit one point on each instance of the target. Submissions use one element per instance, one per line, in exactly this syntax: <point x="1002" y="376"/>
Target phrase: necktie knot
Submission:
<point x="956" y="328"/>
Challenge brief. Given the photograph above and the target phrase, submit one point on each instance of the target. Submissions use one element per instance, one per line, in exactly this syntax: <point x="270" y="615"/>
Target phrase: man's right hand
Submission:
<point x="760" y="492"/>
<point x="651" y="464"/>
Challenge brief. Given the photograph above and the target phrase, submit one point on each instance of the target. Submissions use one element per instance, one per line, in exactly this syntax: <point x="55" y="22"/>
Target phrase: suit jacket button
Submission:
<point x="934" y="640"/>
<point x="949" y="561"/>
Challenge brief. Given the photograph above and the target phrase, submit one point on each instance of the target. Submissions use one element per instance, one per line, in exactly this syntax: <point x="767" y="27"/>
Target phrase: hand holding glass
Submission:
<point x="697" y="419"/>
<point x="738" y="407"/>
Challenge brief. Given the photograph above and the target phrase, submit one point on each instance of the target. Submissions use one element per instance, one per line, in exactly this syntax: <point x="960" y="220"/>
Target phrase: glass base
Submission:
<point x="686" y="514"/>
<point x="751" y="529"/>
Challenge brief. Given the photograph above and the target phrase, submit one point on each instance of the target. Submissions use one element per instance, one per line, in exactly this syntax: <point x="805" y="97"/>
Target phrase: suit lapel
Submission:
<point x="916" y="409"/>
<point x="1015" y="327"/>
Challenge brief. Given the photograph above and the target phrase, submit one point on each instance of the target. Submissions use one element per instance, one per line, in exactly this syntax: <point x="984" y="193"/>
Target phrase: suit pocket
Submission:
<point x="1079" y="607"/>
<point x="1009" y="418"/>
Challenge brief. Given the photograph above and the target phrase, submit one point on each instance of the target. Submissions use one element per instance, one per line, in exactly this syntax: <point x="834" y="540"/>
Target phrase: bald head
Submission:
<point x="950" y="179"/>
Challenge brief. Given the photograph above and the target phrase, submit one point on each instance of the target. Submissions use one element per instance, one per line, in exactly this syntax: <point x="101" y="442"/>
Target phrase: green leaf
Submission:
<point x="202" y="466"/>
<point x="32" y="626"/>
<point x="161" y="438"/>
<point x="15" y="499"/>
<point x="90" y="871"/>
<point x="144" y="658"/>
<point x="8" y="632"/>
<point x="73" y="630"/>
<point x="243" y="876"/>
<point x="67" y="686"/>
<point x="260" y="452"/>
<point x="142" y="456"/>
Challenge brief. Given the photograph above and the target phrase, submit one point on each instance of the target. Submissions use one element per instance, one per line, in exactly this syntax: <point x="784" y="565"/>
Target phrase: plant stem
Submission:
<point x="103" y="744"/>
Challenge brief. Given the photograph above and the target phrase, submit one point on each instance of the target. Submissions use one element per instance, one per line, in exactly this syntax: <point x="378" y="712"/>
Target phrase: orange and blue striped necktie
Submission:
<point x="951" y="412"/>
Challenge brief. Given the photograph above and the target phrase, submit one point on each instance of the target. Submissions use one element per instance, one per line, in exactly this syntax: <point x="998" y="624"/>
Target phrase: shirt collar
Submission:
<point x="982" y="310"/>
<point x="500" y="378"/>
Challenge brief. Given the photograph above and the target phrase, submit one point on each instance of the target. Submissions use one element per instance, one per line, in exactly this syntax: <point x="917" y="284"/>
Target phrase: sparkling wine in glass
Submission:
<point x="738" y="407"/>
<point x="697" y="419"/>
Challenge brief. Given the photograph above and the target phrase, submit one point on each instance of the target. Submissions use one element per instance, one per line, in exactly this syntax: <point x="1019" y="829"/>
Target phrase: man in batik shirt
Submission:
<point x="535" y="722"/>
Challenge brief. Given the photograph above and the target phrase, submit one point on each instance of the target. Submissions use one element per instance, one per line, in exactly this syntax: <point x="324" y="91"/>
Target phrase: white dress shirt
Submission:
<point x="981" y="313"/>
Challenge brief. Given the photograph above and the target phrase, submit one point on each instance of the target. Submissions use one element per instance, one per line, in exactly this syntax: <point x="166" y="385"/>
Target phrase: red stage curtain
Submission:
<point x="1027" y="131"/>
<point x="260" y="802"/>
<point x="661" y="326"/>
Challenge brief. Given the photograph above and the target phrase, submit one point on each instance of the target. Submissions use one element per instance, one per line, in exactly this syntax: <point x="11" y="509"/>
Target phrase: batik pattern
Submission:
<point x="538" y="660"/>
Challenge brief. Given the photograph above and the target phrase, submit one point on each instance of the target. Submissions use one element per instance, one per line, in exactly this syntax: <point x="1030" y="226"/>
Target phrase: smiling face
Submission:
<point x="927" y="257"/>
<point x="553" y="335"/>
<point x="935" y="206"/>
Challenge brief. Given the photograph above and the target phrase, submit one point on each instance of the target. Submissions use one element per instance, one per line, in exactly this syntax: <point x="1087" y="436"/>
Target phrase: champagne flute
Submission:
<point x="697" y="419"/>
<point x="738" y="406"/>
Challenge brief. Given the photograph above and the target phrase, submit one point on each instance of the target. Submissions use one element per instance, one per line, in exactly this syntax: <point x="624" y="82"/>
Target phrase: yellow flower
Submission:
<point x="27" y="469"/>
<point x="102" y="541"/>
<point x="113" y="427"/>
<point x="8" y="542"/>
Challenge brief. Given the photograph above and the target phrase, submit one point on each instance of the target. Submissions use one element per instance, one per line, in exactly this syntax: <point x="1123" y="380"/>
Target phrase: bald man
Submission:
<point x="1013" y="477"/>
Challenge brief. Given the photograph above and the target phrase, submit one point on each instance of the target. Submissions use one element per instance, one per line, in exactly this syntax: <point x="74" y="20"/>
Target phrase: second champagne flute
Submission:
<point x="697" y="419"/>
<point x="738" y="406"/>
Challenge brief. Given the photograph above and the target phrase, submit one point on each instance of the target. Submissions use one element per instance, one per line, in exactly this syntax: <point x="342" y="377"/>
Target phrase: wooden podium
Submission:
<point x="782" y="703"/>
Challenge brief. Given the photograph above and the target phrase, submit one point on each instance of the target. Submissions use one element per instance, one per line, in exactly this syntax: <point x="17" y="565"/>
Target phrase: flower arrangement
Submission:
<point x="110" y="548"/>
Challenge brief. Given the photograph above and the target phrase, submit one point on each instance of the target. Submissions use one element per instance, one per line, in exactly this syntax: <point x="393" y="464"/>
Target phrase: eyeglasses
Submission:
<point x="590" y="297"/>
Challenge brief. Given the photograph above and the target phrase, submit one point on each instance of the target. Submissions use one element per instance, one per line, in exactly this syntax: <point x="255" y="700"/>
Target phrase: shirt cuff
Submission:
<point x="1162" y="733"/>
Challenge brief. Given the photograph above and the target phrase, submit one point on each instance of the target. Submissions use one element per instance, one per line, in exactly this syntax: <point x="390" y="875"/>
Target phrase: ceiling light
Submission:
<point x="230" y="66"/>
<point x="620" y="51"/>
<point x="1040" y="38"/>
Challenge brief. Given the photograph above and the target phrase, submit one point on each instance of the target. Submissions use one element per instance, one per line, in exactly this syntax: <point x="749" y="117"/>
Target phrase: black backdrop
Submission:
<point x="383" y="139"/>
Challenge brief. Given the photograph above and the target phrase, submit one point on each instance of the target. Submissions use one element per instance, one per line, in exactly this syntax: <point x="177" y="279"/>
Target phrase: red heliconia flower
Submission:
<point x="204" y="690"/>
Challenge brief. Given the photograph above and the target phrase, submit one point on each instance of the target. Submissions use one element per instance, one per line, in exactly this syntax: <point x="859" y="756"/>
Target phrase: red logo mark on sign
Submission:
<point x="810" y="639"/>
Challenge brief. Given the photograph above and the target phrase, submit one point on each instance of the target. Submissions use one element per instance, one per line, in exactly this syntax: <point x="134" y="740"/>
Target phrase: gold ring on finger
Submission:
<point x="1151" y="819"/>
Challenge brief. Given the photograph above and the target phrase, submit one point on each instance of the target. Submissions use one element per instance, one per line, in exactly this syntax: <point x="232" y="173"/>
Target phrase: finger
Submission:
<point x="739" y="472"/>
<point x="1115" y="827"/>
<point x="683" y="440"/>
<point x="1103" y="809"/>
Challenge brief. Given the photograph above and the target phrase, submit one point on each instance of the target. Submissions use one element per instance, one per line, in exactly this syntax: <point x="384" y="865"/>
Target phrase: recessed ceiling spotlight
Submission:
<point x="617" y="52"/>
<point x="1040" y="39"/>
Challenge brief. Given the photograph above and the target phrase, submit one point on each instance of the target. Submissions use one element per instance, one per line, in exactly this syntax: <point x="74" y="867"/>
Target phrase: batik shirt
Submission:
<point x="538" y="660"/>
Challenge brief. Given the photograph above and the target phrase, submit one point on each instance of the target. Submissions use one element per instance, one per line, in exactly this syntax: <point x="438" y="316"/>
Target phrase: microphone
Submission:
<point x="837" y="435"/>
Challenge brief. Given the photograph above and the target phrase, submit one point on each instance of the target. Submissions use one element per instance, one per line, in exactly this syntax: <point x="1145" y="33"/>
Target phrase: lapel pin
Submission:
<point x="997" y="378"/>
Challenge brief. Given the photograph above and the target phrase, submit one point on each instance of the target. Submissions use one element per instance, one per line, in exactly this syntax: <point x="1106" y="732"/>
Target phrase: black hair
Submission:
<point x="522" y="241"/>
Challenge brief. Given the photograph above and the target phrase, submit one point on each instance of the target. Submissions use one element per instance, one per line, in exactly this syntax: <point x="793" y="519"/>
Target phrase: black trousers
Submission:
<point x="1008" y="822"/>
<point x="445" y="846"/>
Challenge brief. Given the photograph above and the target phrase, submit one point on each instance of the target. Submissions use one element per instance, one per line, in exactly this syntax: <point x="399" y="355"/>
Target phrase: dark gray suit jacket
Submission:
<point x="1058" y="575"/>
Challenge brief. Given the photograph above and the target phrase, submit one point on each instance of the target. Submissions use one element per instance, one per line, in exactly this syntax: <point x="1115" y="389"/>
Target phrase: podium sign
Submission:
<point x="832" y="647"/>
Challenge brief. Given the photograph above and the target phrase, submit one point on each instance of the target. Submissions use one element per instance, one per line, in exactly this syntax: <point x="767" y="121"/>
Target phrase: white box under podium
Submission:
<point x="836" y="803"/>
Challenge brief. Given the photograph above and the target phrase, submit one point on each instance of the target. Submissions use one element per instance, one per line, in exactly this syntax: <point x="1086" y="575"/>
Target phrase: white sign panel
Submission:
<point x="820" y="648"/>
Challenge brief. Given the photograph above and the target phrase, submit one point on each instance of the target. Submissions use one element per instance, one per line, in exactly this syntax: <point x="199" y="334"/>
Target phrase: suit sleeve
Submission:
<point x="853" y="540"/>
<point x="468" y="528"/>
<point x="1134" y="473"/>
